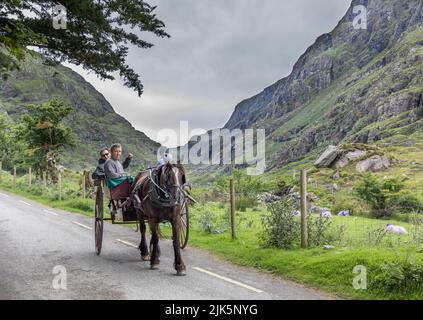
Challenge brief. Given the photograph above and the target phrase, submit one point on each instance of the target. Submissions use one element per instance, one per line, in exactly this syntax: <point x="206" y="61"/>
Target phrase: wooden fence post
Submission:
<point x="232" y="193"/>
<point x="83" y="184"/>
<point x="14" y="177"/>
<point x="59" y="183"/>
<point x="30" y="176"/>
<point x="45" y="179"/>
<point x="303" y="191"/>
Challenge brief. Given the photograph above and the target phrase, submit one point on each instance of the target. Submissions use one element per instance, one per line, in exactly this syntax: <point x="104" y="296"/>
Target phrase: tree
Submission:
<point x="44" y="133"/>
<point x="7" y="144"/>
<point x="97" y="34"/>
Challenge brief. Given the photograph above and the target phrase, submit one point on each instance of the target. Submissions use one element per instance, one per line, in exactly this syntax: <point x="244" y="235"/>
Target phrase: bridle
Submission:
<point x="166" y="188"/>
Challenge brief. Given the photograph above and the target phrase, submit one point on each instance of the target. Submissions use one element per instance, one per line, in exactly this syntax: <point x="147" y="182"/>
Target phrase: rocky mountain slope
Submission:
<point x="94" y="120"/>
<point x="349" y="86"/>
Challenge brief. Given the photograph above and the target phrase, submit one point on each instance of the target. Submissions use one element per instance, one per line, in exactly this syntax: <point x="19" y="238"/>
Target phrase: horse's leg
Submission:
<point x="154" y="259"/>
<point x="178" y="264"/>
<point x="145" y="256"/>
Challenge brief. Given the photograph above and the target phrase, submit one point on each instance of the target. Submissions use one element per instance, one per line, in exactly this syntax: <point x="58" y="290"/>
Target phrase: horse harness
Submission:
<point x="159" y="196"/>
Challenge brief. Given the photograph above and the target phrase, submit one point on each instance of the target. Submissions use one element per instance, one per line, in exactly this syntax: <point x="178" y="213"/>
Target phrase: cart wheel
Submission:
<point x="184" y="229"/>
<point x="98" y="222"/>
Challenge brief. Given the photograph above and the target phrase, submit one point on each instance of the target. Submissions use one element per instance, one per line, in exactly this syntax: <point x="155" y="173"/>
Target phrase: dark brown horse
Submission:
<point x="171" y="183"/>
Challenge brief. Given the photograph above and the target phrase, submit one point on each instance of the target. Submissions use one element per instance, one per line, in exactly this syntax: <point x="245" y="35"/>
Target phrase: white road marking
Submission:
<point x="129" y="244"/>
<point x="51" y="212"/>
<point x="28" y="204"/>
<point x="228" y="280"/>
<point x="82" y="225"/>
<point x="4" y="195"/>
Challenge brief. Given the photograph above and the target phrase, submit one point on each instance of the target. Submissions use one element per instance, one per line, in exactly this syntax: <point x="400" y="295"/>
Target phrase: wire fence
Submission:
<point x="346" y="228"/>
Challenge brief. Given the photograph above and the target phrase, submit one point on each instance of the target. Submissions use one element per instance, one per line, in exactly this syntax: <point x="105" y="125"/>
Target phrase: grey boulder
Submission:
<point x="328" y="157"/>
<point x="373" y="164"/>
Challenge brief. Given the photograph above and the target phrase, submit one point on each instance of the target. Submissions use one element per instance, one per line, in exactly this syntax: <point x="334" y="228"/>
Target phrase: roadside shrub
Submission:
<point x="321" y="231"/>
<point x="210" y="221"/>
<point x="281" y="227"/>
<point x="400" y="275"/>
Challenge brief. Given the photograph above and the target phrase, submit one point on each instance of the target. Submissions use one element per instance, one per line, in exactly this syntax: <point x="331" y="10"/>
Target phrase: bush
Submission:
<point x="344" y="200"/>
<point x="242" y="203"/>
<point x="209" y="221"/>
<point x="283" y="187"/>
<point x="406" y="202"/>
<point x="321" y="231"/>
<point x="281" y="227"/>
<point x="378" y="194"/>
<point x="401" y="275"/>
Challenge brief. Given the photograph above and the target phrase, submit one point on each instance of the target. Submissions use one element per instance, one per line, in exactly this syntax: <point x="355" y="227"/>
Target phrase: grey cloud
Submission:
<point x="221" y="52"/>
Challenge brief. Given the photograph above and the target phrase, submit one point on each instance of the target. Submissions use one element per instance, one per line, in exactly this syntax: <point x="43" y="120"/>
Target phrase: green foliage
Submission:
<point x="377" y="193"/>
<point x="97" y="35"/>
<point x="344" y="200"/>
<point x="406" y="202"/>
<point x="247" y="188"/>
<point x="281" y="229"/>
<point x="399" y="275"/>
<point x="210" y="221"/>
<point x="387" y="196"/>
<point x="283" y="187"/>
<point x="43" y="131"/>
<point x="321" y="231"/>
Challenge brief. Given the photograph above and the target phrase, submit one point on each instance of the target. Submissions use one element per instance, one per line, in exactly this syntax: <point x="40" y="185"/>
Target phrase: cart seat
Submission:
<point x="122" y="191"/>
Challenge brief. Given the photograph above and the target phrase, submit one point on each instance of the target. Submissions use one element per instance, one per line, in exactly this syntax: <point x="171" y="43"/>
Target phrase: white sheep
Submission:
<point x="395" y="229"/>
<point x="326" y="213"/>
<point x="344" y="213"/>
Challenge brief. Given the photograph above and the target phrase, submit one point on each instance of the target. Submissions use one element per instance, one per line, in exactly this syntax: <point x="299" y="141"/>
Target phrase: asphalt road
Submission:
<point x="49" y="254"/>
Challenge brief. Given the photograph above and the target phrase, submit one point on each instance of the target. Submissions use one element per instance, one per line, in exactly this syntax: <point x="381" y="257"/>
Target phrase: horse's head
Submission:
<point x="172" y="180"/>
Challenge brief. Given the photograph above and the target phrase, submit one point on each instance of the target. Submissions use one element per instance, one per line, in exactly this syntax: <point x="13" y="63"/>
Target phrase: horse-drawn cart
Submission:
<point x="119" y="213"/>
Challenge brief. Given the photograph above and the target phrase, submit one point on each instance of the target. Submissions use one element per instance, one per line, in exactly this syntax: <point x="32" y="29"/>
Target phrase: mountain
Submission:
<point x="350" y="86"/>
<point x="94" y="120"/>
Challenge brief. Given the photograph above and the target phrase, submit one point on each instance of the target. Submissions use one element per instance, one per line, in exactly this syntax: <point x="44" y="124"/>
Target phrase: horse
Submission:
<point x="171" y="182"/>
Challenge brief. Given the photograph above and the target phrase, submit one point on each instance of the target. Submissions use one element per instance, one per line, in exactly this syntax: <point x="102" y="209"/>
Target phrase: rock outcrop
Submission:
<point x="373" y="164"/>
<point x="327" y="157"/>
<point x="348" y="157"/>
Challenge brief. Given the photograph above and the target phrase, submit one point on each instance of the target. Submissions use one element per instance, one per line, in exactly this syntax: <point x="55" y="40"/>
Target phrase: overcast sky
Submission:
<point x="220" y="53"/>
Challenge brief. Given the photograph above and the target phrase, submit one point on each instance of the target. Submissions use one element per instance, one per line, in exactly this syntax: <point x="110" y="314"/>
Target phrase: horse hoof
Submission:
<point x="180" y="273"/>
<point x="154" y="267"/>
<point x="145" y="258"/>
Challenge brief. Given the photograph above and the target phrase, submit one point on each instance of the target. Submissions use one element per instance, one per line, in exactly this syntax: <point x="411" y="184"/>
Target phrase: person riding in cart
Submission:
<point x="99" y="174"/>
<point x="117" y="180"/>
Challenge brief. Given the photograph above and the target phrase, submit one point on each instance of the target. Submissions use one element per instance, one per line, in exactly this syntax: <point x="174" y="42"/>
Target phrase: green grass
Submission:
<point x="329" y="270"/>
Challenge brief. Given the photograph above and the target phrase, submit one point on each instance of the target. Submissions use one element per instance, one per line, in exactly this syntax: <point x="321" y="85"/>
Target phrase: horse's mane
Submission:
<point x="168" y="166"/>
